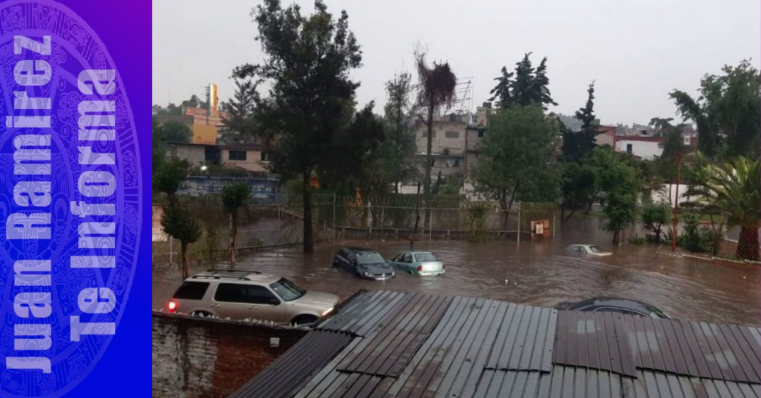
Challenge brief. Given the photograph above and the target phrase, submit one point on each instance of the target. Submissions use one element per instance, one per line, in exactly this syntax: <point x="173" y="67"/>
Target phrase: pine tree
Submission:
<point x="578" y="145"/>
<point x="239" y="111"/>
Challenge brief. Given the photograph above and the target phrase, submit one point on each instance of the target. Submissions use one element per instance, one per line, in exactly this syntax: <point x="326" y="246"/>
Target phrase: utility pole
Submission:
<point x="676" y="204"/>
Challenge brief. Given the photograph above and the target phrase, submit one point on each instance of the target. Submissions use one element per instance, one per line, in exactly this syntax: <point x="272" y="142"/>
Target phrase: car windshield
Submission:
<point x="287" y="290"/>
<point x="594" y="249"/>
<point x="419" y="257"/>
<point x="369" y="258"/>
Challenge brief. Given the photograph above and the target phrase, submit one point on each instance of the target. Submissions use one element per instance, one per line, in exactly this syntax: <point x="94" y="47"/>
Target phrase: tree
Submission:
<point x="579" y="144"/>
<point x="654" y="217"/>
<point x="234" y="196"/>
<point x="578" y="185"/>
<point x="516" y="156"/>
<point x="239" y="111"/>
<point x="363" y="160"/>
<point x="502" y="91"/>
<point x="620" y="184"/>
<point x="157" y="145"/>
<point x="180" y="224"/>
<point x="735" y="189"/>
<point x="399" y="146"/>
<point x="673" y="149"/>
<point x="307" y="61"/>
<point x="529" y="86"/>
<point x="730" y="106"/>
<point x="176" y="221"/>
<point x="436" y="89"/>
<point x="176" y="132"/>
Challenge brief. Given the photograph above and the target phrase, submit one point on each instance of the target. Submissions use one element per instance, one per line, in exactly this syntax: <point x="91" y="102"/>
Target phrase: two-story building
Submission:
<point x="250" y="157"/>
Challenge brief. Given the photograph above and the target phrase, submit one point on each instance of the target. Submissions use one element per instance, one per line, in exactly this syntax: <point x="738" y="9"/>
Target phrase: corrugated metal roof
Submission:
<point x="284" y="376"/>
<point x="363" y="314"/>
<point x="404" y="329"/>
<point x="595" y="340"/>
<point x="416" y="345"/>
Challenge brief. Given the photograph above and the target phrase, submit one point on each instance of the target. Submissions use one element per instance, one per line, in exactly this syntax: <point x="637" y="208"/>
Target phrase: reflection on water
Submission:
<point x="536" y="273"/>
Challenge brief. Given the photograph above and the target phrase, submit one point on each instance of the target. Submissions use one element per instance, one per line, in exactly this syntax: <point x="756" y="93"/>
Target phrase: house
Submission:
<point x="392" y="344"/>
<point x="250" y="157"/>
<point x="195" y="154"/>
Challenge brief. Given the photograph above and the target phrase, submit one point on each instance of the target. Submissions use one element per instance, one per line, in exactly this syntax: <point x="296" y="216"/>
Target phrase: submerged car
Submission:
<point x="417" y="263"/>
<point x="614" y="304"/>
<point x="590" y="250"/>
<point x="364" y="263"/>
<point x="250" y="295"/>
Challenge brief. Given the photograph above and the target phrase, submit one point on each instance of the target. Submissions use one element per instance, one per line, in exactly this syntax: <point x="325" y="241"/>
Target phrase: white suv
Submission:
<point x="250" y="295"/>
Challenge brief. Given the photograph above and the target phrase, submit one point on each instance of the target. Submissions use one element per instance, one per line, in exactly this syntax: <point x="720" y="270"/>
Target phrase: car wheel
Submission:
<point x="304" y="319"/>
<point x="202" y="314"/>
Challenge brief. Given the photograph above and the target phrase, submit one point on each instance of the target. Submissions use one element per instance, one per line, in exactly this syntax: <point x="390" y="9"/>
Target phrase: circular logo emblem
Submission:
<point x="70" y="185"/>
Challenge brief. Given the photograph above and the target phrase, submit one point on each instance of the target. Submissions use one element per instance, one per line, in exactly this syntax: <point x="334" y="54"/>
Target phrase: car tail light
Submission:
<point x="419" y="268"/>
<point x="171" y="306"/>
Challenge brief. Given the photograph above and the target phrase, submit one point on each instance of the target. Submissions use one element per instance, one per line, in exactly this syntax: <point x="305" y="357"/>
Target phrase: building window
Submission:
<point x="425" y="133"/>
<point x="237" y="155"/>
<point x="456" y="163"/>
<point x="480" y="133"/>
<point x="265" y="156"/>
<point x="452" y="134"/>
<point x="628" y="148"/>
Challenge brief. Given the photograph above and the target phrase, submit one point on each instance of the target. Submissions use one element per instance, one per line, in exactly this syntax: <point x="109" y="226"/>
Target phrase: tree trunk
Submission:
<point x="307" y="196"/>
<point x="617" y="238"/>
<point x="233" y="235"/>
<point x="184" y="258"/>
<point x="747" y="246"/>
<point x="428" y="165"/>
<point x="417" y="209"/>
<point x="562" y="211"/>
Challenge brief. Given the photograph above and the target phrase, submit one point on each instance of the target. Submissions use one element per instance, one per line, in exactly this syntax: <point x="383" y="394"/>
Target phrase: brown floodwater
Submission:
<point x="535" y="273"/>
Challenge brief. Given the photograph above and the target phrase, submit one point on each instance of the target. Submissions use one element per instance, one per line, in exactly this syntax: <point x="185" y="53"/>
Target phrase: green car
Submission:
<point x="417" y="263"/>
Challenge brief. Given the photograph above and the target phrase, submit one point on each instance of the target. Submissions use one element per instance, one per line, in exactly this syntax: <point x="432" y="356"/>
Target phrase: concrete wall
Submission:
<point x="194" y="154"/>
<point x="195" y="357"/>
<point x="646" y="150"/>
<point x="440" y="140"/>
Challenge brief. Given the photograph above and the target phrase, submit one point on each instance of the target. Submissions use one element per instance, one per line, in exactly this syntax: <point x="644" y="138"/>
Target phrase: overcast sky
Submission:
<point x="636" y="50"/>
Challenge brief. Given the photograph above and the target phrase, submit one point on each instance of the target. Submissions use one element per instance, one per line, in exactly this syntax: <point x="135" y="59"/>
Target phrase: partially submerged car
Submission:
<point x="614" y="304"/>
<point x="586" y="249"/>
<point x="364" y="263"/>
<point x="417" y="263"/>
<point x="250" y="295"/>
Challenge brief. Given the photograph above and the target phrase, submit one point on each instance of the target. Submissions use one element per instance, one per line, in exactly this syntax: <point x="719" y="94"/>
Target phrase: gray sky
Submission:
<point x="636" y="50"/>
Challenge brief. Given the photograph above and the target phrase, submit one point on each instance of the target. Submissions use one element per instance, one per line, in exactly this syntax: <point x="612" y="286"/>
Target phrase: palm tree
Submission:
<point x="735" y="188"/>
<point x="233" y="197"/>
<point x="436" y="89"/>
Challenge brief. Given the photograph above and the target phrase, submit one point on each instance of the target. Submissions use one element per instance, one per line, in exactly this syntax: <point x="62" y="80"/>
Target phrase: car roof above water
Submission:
<point x="234" y="275"/>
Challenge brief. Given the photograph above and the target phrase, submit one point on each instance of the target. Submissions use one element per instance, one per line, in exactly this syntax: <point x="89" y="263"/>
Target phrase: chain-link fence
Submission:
<point x="279" y="221"/>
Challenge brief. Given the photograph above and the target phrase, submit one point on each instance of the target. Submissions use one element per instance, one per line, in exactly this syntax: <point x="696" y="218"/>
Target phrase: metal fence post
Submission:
<point x="383" y="219"/>
<point x="553" y="225"/>
<point x="519" y="222"/>
<point x="170" y="249"/>
<point x="278" y="229"/>
<point x="430" y="225"/>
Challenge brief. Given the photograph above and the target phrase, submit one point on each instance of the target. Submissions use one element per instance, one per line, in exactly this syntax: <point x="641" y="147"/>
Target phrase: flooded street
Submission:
<point x="535" y="273"/>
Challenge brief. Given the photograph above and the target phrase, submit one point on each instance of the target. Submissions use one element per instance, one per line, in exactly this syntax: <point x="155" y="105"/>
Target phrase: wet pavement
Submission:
<point x="535" y="273"/>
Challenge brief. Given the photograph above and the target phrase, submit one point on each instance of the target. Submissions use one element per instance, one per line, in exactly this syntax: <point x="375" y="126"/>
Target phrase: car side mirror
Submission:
<point x="274" y="301"/>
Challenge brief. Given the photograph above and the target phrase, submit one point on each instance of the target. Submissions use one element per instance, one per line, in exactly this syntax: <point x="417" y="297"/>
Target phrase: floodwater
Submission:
<point x="529" y="272"/>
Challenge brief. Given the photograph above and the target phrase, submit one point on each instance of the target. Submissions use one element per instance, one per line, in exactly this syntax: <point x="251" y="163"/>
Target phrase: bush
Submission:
<point x="638" y="240"/>
<point x="654" y="217"/>
<point x="694" y="238"/>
